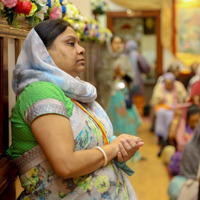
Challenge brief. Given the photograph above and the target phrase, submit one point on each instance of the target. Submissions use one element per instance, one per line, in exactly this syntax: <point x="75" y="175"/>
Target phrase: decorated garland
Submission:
<point x="36" y="11"/>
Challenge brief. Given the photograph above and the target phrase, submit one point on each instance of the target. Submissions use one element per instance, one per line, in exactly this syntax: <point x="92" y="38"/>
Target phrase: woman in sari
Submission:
<point x="116" y="77"/>
<point x="62" y="139"/>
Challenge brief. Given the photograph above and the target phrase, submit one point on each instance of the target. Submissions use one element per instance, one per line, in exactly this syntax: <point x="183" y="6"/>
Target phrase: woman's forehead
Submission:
<point x="69" y="32"/>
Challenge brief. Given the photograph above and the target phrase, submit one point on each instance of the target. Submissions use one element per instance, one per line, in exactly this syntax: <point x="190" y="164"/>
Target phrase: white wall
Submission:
<point x="168" y="58"/>
<point x="114" y="7"/>
<point x="84" y="6"/>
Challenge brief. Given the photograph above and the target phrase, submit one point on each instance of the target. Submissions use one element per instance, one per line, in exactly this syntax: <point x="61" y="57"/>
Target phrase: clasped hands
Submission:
<point x="128" y="145"/>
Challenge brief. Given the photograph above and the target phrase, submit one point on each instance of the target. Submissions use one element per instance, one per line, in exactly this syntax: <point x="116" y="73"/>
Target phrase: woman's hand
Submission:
<point x="128" y="145"/>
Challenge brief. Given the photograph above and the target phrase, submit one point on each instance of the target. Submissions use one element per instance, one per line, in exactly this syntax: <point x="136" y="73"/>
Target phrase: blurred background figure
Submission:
<point x="116" y="80"/>
<point x="113" y="62"/>
<point x="140" y="66"/>
<point x="180" y="134"/>
<point x="195" y="76"/>
<point x="185" y="185"/>
<point x="166" y="95"/>
<point x="174" y="68"/>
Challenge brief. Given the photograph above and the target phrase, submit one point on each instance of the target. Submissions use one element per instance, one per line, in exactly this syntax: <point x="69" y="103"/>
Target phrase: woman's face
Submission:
<point x="116" y="44"/>
<point x="169" y="84"/>
<point x="67" y="53"/>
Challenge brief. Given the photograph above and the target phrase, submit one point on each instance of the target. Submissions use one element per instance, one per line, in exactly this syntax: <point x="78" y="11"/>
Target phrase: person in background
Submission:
<point x="62" y="139"/>
<point x="192" y="118"/>
<point x="120" y="109"/>
<point x="190" y="163"/>
<point x="165" y="96"/>
<point x="114" y="63"/>
<point x="174" y="68"/>
<point x="140" y="66"/>
<point x="194" y="78"/>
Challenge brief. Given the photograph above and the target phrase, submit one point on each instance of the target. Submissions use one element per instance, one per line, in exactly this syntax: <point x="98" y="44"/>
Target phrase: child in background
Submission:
<point x="193" y="115"/>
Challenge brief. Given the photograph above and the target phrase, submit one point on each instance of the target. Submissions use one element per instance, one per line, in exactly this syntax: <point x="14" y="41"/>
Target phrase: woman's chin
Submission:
<point x="81" y="70"/>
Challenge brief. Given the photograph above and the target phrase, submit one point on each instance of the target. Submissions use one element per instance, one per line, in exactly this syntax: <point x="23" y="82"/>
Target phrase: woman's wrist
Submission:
<point x="104" y="155"/>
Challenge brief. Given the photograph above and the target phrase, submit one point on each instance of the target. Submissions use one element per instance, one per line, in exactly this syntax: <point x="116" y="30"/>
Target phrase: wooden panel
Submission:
<point x="93" y="55"/>
<point x="8" y="175"/>
<point x="1" y="94"/>
<point x="11" y="32"/>
<point x="4" y="95"/>
<point x="11" y="41"/>
<point x="8" y="170"/>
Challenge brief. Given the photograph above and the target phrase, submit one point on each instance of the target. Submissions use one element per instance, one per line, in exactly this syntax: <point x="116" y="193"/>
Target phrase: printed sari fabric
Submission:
<point x="40" y="181"/>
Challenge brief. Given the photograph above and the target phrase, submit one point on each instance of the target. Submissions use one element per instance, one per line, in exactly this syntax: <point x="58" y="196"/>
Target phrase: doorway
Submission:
<point x="144" y="27"/>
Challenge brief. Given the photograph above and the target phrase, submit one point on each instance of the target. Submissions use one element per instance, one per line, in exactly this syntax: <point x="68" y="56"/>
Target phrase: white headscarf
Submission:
<point x="35" y="64"/>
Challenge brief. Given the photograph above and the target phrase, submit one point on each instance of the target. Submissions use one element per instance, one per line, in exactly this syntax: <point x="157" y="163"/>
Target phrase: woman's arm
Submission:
<point x="174" y="127"/>
<point x="54" y="134"/>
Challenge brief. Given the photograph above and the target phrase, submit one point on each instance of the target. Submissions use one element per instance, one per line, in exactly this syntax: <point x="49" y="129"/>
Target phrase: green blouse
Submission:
<point x="37" y="99"/>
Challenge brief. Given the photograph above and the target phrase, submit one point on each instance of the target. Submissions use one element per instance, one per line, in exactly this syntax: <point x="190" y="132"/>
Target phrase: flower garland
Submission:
<point x="86" y="28"/>
<point x="36" y="11"/>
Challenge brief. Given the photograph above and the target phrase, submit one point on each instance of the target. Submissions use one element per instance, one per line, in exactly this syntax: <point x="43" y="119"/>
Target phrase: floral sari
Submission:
<point x="40" y="181"/>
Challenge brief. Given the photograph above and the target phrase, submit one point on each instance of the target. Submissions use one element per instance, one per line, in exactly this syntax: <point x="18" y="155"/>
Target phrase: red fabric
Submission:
<point x="181" y="127"/>
<point x="195" y="90"/>
<point x="23" y="7"/>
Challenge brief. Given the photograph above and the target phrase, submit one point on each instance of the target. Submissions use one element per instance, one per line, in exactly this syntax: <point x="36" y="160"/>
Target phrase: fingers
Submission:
<point x="140" y="144"/>
<point x="128" y="147"/>
<point x="119" y="157"/>
<point x="124" y="149"/>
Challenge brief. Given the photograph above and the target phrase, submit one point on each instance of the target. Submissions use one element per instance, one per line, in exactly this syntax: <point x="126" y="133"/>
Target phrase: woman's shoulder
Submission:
<point x="42" y="89"/>
<point x="37" y="91"/>
<point x="42" y="85"/>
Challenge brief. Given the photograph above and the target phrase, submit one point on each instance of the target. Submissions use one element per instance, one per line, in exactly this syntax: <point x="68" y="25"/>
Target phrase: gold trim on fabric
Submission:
<point x="45" y="106"/>
<point x="30" y="159"/>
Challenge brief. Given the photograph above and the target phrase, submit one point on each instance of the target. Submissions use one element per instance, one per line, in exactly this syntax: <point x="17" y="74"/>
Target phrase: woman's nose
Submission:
<point x="80" y="50"/>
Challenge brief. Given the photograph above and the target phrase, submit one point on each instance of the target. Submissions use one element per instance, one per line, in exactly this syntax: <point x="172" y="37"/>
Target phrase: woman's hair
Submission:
<point x="114" y="36"/>
<point x="49" y="30"/>
<point x="170" y="76"/>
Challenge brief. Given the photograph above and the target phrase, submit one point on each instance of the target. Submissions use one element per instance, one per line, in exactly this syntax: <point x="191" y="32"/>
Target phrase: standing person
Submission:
<point x="114" y="64"/>
<point x="115" y="82"/>
<point x="61" y="137"/>
<point x="140" y="66"/>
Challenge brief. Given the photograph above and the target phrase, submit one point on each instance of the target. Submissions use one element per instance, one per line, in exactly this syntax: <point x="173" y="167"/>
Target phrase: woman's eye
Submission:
<point x="71" y="43"/>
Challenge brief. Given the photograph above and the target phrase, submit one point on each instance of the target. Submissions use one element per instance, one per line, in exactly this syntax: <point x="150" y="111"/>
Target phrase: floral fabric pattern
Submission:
<point x="107" y="182"/>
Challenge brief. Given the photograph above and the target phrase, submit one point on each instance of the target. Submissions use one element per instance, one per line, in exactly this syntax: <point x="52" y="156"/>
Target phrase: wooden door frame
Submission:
<point x="156" y="13"/>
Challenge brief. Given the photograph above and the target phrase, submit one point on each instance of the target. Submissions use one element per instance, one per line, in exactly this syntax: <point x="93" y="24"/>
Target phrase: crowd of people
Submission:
<point x="176" y="109"/>
<point x="69" y="143"/>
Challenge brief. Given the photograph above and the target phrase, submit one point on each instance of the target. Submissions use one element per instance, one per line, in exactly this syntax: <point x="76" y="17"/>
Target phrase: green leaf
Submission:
<point x="39" y="7"/>
<point x="31" y="20"/>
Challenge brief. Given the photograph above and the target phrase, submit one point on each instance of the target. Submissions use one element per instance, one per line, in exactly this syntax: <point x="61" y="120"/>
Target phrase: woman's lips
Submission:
<point x="82" y="61"/>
